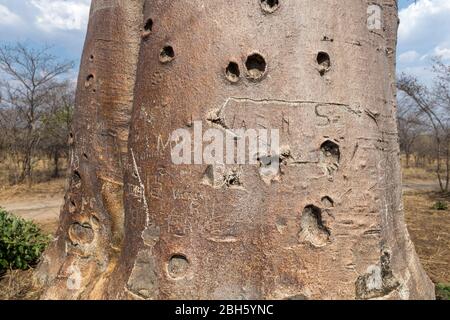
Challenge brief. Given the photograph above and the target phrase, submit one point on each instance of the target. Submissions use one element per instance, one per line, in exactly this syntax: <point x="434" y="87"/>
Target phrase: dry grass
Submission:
<point x="18" y="285"/>
<point x="52" y="187"/>
<point x="42" y="170"/>
<point x="429" y="228"/>
<point x="418" y="174"/>
<point x="430" y="232"/>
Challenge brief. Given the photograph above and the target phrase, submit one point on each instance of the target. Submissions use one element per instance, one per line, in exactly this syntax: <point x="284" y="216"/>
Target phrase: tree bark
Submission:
<point x="28" y="157"/>
<point x="90" y="234"/>
<point x="328" y="225"/>
<point x="55" y="163"/>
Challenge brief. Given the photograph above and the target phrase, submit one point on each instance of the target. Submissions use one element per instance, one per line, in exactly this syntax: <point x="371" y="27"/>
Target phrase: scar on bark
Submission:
<point x="81" y="233"/>
<point x="220" y="176"/>
<point x="327" y="38"/>
<point x="76" y="179"/>
<point x="330" y="157"/>
<point x="178" y="266"/>
<point x="269" y="168"/>
<point x="378" y="281"/>
<point x="313" y="229"/>
<point x="327" y="202"/>
<point x="214" y="116"/>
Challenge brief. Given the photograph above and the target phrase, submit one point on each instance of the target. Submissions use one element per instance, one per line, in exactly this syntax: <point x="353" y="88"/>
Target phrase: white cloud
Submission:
<point x="423" y="33"/>
<point x="408" y="56"/>
<point x="59" y="23"/>
<point x="62" y="15"/>
<point x="7" y="17"/>
<point x="442" y="52"/>
<point x="419" y="18"/>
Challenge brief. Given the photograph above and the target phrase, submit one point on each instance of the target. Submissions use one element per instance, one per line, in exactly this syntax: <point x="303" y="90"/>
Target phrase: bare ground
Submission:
<point x="430" y="231"/>
<point x="429" y="228"/>
<point x="41" y="203"/>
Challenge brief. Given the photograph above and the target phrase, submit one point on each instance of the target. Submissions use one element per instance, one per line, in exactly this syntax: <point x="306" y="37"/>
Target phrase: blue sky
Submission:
<point x="424" y="29"/>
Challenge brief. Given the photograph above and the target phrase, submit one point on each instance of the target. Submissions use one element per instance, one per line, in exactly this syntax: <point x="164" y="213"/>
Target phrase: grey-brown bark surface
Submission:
<point x="329" y="224"/>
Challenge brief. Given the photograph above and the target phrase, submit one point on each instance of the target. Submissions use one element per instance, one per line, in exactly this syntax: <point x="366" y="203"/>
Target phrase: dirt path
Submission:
<point x="44" y="212"/>
<point x="41" y="203"/>
<point x="420" y="186"/>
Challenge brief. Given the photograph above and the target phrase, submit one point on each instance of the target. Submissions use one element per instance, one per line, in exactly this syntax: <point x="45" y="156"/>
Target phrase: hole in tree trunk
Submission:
<point x="312" y="228"/>
<point x="324" y="62"/>
<point x="178" y="266"/>
<point x="232" y="72"/>
<point x="148" y="27"/>
<point x="270" y="6"/>
<point x="167" y="54"/>
<point x="331" y="150"/>
<point x="330" y="157"/>
<point x="256" y="66"/>
<point x="327" y="202"/>
<point x="89" y="81"/>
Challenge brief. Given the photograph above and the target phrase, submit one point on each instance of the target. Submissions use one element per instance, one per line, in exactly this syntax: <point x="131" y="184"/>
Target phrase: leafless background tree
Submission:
<point x="36" y="99"/>
<point x="424" y="122"/>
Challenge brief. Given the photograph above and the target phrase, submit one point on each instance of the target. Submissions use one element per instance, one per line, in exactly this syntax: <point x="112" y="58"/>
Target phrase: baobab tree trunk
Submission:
<point x="328" y="223"/>
<point x="90" y="233"/>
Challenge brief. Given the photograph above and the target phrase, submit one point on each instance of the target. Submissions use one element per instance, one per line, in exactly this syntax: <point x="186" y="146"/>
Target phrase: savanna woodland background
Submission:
<point x="37" y="82"/>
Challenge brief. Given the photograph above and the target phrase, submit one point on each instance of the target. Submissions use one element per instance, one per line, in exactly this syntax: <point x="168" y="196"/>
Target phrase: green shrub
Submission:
<point x="21" y="242"/>
<point x="443" y="291"/>
<point x="440" y="205"/>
